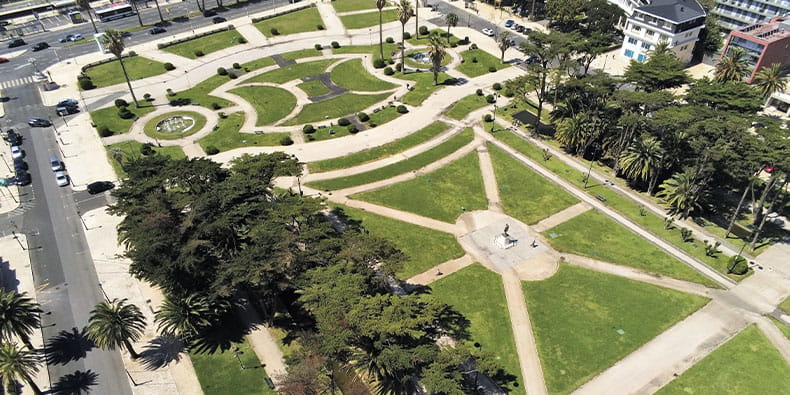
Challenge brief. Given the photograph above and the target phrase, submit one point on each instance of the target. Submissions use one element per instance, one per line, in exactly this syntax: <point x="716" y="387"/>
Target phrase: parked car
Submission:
<point x="40" y="46"/>
<point x="487" y="32"/>
<point x="22" y="178"/>
<point x="531" y="60"/>
<point x="208" y="13"/>
<point x="39" y="122"/>
<point x="12" y="137"/>
<point x="218" y="19"/>
<point x="64" y="39"/>
<point x="54" y="164"/>
<point x="520" y="29"/>
<point x="68" y="103"/>
<point x="157" y="30"/>
<point x="66" y="110"/>
<point x="61" y="178"/>
<point x="3" y="60"/>
<point x="75" y="37"/>
<point x="509" y="23"/>
<point x="99" y="187"/>
<point x="17" y="42"/>
<point x="16" y="152"/>
<point x="20" y="165"/>
<point x="515" y="26"/>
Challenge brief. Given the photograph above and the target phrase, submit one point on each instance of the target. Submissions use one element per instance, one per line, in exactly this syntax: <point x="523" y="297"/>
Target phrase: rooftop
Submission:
<point x="776" y="29"/>
<point x="677" y="11"/>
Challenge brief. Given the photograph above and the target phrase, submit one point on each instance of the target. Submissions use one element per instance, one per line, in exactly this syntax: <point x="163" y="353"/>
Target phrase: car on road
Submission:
<point x="509" y="23"/>
<point x="17" y="42"/>
<point x="488" y="32"/>
<point x="61" y="178"/>
<point x="66" y="110"/>
<point x="157" y="30"/>
<point x="208" y="13"/>
<point x="515" y="26"/>
<point x="99" y="187"/>
<point x="75" y="37"/>
<point x="39" y="122"/>
<point x="54" y="164"/>
<point x="20" y="165"/>
<point x="40" y="46"/>
<point x="22" y="178"/>
<point x="68" y="103"/>
<point x="3" y="60"/>
<point x="218" y="19"/>
<point x="16" y="152"/>
<point x="12" y="137"/>
<point x="531" y="60"/>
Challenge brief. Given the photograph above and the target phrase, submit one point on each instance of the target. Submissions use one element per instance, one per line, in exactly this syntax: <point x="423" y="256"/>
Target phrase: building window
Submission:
<point x="629" y="53"/>
<point x="650" y="33"/>
<point x="632" y="40"/>
<point x="637" y="28"/>
<point x="640" y="58"/>
<point x="646" y="46"/>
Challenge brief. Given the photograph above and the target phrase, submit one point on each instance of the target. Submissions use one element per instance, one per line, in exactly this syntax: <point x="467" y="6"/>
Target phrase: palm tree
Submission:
<point x="17" y="364"/>
<point x="380" y="5"/>
<point x="416" y="18"/>
<point x="113" y="40"/>
<point x="19" y="316"/>
<point x="642" y="160"/>
<point x="504" y="43"/>
<point x="771" y="79"/>
<point x="159" y="10"/>
<point x="452" y="21"/>
<point x="85" y="5"/>
<point x="404" y="14"/>
<point x="116" y="323"/>
<point x="732" y="67"/>
<point x="679" y="194"/>
<point x="570" y="132"/>
<point x="183" y="317"/>
<point x="662" y="48"/>
<point x="436" y="53"/>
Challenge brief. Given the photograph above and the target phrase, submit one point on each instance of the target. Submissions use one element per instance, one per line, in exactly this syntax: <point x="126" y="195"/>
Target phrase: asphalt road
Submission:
<point x="468" y="18"/>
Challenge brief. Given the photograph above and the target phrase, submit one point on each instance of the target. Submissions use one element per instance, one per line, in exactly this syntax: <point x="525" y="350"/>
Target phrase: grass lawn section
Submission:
<point x="422" y="88"/>
<point x="423" y="40"/>
<point x="259" y="63"/>
<point x="479" y="295"/>
<point x="207" y="44"/>
<point x="302" y="53"/>
<point x="220" y="372"/>
<point x="576" y="313"/>
<point x="313" y="88"/>
<point x="747" y="364"/>
<point x="373" y="50"/>
<point x="425" y="248"/>
<point x="443" y="194"/>
<point x="227" y="137"/>
<point x="305" y="20"/>
<point x="411" y="164"/>
<point x="324" y="134"/>
<point x="413" y="63"/>
<point x="347" y="103"/>
<point x="270" y="103"/>
<point x="463" y="107"/>
<point x="372" y="154"/>
<point x="292" y="72"/>
<point x="199" y="94"/>
<point x="137" y="67"/>
<point x="131" y="149"/>
<point x="484" y="62"/>
<point x="368" y="19"/>
<point x="353" y="5"/>
<point x="526" y="195"/>
<point x="785" y="305"/>
<point x="108" y="117"/>
<point x="383" y="116"/>
<point x="353" y="76"/>
<point x="785" y="329"/>
<point x="150" y="127"/>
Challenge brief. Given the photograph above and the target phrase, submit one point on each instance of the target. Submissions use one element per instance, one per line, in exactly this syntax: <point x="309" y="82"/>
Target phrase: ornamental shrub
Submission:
<point x="104" y="131"/>
<point x="490" y="99"/>
<point x="212" y="150"/>
<point x="120" y="103"/>
<point x="343" y="122"/>
<point x="390" y="40"/>
<point x="199" y="53"/>
<point x="402" y="109"/>
<point x="406" y="35"/>
<point x="424" y="30"/>
<point x="497" y="86"/>
<point x="492" y="69"/>
<point x="363" y="117"/>
<point x="378" y="63"/>
<point x="319" y="47"/>
<point x="86" y="84"/>
<point x="488" y="118"/>
<point x="335" y="44"/>
<point x="389" y="71"/>
<point x="169" y="66"/>
<point x="286" y="141"/>
<point x="236" y="66"/>
<point x="274" y="31"/>
<point x="222" y="71"/>
<point x="479" y="92"/>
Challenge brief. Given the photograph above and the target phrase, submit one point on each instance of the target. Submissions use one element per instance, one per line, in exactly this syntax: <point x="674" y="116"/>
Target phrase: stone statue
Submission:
<point x="507" y="228"/>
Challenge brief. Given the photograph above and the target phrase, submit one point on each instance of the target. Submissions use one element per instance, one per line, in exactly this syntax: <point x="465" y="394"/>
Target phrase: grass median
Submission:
<point x="338" y="106"/>
<point x="292" y="72"/>
<point x="108" y="117"/>
<point x="137" y="67"/>
<point x="477" y="62"/>
<point x="227" y="136"/>
<point x="306" y="20"/>
<point x="368" y="19"/>
<point x="353" y="76"/>
<point x="206" y="44"/>
<point x="271" y="104"/>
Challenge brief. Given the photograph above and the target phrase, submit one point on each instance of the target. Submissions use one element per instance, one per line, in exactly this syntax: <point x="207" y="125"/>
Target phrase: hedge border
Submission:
<point x="196" y="36"/>
<point x="263" y="18"/>
<point x="108" y="60"/>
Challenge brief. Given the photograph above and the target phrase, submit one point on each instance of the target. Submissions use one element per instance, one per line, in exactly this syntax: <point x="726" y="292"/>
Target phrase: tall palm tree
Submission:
<point x="404" y="14"/>
<point x="116" y="323"/>
<point x="771" y="79"/>
<point x="662" y="48"/>
<point x="452" y="21"/>
<point x="85" y="5"/>
<point x="732" y="67"/>
<point x="571" y="132"/>
<point x="159" y="10"/>
<point x="642" y="160"/>
<point x="19" y="316"/>
<point x="113" y="40"/>
<point x="416" y="18"/>
<point x="380" y="5"/>
<point x="679" y="194"/>
<point x="183" y="317"/>
<point x="504" y="43"/>
<point x="436" y="53"/>
<point x="18" y="364"/>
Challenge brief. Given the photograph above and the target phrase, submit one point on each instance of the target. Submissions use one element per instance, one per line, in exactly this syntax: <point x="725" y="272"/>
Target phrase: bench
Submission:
<point x="269" y="382"/>
<point x="600" y="197"/>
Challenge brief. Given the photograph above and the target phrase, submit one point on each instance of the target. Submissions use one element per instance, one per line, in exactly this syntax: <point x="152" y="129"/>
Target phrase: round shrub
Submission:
<point x="215" y="106"/>
<point x="390" y="62"/>
<point x="335" y="44"/>
<point x="86" y="84"/>
<point x="233" y="76"/>
<point x="479" y="92"/>
<point x="490" y="99"/>
<point x="199" y="53"/>
<point x="286" y="141"/>
<point x="169" y="66"/>
<point x="424" y="30"/>
<point x="406" y="35"/>
<point x="124" y="113"/>
<point x="132" y="53"/>
<point x="488" y="118"/>
<point x="343" y="122"/>
<point x="378" y="63"/>
<point x="402" y="109"/>
<point x="147" y="149"/>
<point x="353" y="129"/>
<point x="307" y="129"/>
<point x="497" y="86"/>
<point x="274" y="31"/>
<point x="390" y="40"/>
<point x="453" y="45"/>
<point x="741" y="267"/>
<point x="473" y="46"/>
<point x="363" y="117"/>
<point x="466" y="39"/>
<point x="372" y="124"/>
<point x="104" y="131"/>
<point x="212" y="150"/>
<point x="474" y="59"/>
<point x="242" y="40"/>
<point x="319" y="27"/>
<point x="147" y="97"/>
<point x="508" y="93"/>
<point x="222" y="115"/>
<point x="492" y="69"/>
<point x="170" y="92"/>
<point x="319" y="47"/>
<point x="399" y="66"/>
<point x="236" y="66"/>
<point x="222" y="71"/>
<point x="389" y="71"/>
<point x="121" y="103"/>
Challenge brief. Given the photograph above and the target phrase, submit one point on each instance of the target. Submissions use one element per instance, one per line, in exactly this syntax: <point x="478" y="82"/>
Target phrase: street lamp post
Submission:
<point x="82" y="220"/>
<point x="493" y="119"/>
<point x="589" y="170"/>
<point x="13" y="232"/>
<point x="236" y="353"/>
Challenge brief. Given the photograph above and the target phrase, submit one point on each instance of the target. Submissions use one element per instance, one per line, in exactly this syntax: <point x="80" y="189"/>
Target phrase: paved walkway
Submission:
<point x="562" y="216"/>
<point x="489" y="180"/>
<point x="441" y="271"/>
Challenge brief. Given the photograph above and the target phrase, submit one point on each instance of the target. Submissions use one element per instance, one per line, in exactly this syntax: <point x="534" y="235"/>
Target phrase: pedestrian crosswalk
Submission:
<point x="16" y="82"/>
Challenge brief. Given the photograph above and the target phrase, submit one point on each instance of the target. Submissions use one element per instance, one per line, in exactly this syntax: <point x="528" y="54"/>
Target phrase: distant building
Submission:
<point x="676" y="22"/>
<point x="734" y="14"/>
<point x="765" y="43"/>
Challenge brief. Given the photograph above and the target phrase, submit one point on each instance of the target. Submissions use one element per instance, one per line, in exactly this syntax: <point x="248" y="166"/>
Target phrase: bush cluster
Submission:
<point x="124" y="113"/>
<point x="308" y="129"/>
<point x="212" y="150"/>
<point x="222" y="71"/>
<point x="378" y="63"/>
<point x="180" y="102"/>
<point x="335" y="44"/>
<point x="402" y="109"/>
<point x="169" y="66"/>
<point x="363" y="117"/>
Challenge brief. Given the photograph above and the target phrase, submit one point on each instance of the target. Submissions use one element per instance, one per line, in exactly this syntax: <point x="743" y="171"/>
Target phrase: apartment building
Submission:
<point x="676" y="22"/>
<point x="735" y="14"/>
<point x="765" y="43"/>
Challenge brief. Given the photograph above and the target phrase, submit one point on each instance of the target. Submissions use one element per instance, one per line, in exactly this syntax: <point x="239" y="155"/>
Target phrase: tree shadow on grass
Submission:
<point x="160" y="351"/>
<point x="68" y="346"/>
<point x="221" y="336"/>
<point x="76" y="383"/>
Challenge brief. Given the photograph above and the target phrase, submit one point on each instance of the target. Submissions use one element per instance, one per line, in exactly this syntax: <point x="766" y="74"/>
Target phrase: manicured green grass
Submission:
<point x="383" y="116"/>
<point x="228" y="137"/>
<point x="413" y="63"/>
<point x="785" y="329"/>
<point x="423" y="40"/>
<point x="302" y="53"/>
<point x="306" y="20"/>
<point x="484" y="62"/>
<point x="131" y="149"/>
<point x="747" y="364"/>
<point x="526" y="195"/>
<point x="353" y="76"/>
<point x="108" y="117"/>
<point x="479" y="295"/>
<point x="313" y="88"/>
<point x="258" y="63"/>
<point x="382" y="151"/>
<point x="353" y="5"/>
<point x="463" y="107"/>
<point x="199" y="94"/>
<point x="137" y="67"/>
<point x="425" y="248"/>
<point x="368" y="19"/>
<point x="443" y="194"/>
<point x="422" y="88"/>
<point x="373" y="50"/>
<point x="595" y="235"/>
<point x="347" y="103"/>
<point x="411" y="164"/>
<point x="206" y="44"/>
<point x="326" y="133"/>
<point x="220" y="373"/>
<point x="576" y="315"/>
<point x="785" y="305"/>
<point x="292" y="72"/>
<point x="151" y="131"/>
<point x="271" y="104"/>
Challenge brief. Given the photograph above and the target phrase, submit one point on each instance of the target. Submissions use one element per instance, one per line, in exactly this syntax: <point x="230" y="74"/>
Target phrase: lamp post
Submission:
<point x="493" y="119"/>
<point x="13" y="232"/>
<point x="236" y="353"/>
<point x="589" y="170"/>
<point x="82" y="220"/>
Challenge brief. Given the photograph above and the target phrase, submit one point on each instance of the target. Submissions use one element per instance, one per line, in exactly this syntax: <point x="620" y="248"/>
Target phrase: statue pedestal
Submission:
<point x="504" y="242"/>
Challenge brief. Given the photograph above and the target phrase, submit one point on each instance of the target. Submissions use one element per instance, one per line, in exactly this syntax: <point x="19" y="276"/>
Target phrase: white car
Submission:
<point x="488" y="32"/>
<point x="61" y="178"/>
<point x="16" y="152"/>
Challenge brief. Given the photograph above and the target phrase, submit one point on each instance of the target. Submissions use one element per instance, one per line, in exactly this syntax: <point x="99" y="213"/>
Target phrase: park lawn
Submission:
<point x="131" y="149"/>
<point x="595" y="235"/>
<point x="258" y="63"/>
<point x="138" y="67"/>
<point x="373" y="50"/>
<point x="353" y="76"/>
<point x="199" y="94"/>
<point x="463" y="107"/>
<point x="313" y="88"/>
<point x="207" y="44"/>
<point x="353" y="5"/>
<point x="785" y="305"/>
<point x="442" y="194"/>
<point x="301" y="53"/>
<point x="423" y="247"/>
<point x="108" y="117"/>
<point x="747" y="364"/>
<point x="292" y="72"/>
<point x="526" y="195"/>
<point x="379" y="152"/>
<point x="484" y="62"/>
<point x="368" y="19"/>
<point x="150" y="127"/>
<point x="347" y="103"/>
<point x="271" y="103"/>
<point x="411" y="62"/>
<point x="784" y="328"/>
<point x="306" y="20"/>
<point x="220" y="373"/>
<point x="326" y="133"/>
<point x="383" y="116"/>
<point x="576" y="315"/>
<point x="423" y="86"/>
<point x="424" y="39"/>
<point x="479" y="295"/>
<point x="416" y="162"/>
<point x="228" y="137"/>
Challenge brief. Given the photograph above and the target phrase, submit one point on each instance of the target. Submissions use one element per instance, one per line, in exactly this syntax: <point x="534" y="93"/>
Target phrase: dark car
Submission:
<point x="20" y="165"/>
<point x="22" y="178"/>
<point x="66" y="110"/>
<point x="531" y="60"/>
<point x="40" y="46"/>
<point x="17" y="42"/>
<point x="99" y="187"/>
<point x="208" y="13"/>
<point x="12" y="137"/>
<point x="218" y="19"/>
<point x="39" y="122"/>
<point x="67" y="103"/>
<point x="157" y="30"/>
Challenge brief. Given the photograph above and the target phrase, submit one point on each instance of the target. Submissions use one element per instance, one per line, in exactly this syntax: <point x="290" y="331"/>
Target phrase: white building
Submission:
<point x="734" y="14"/>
